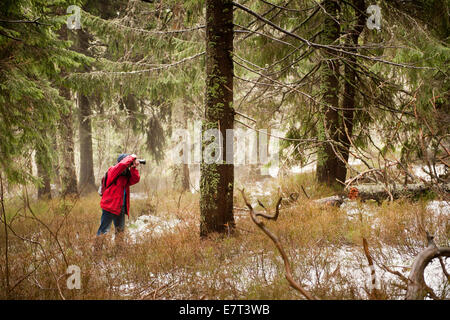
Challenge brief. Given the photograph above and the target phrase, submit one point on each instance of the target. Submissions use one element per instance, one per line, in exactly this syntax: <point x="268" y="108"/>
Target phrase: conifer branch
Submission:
<point x="10" y="37"/>
<point x="34" y="21"/>
<point x="270" y="79"/>
<point x="287" y="9"/>
<point x="160" y="67"/>
<point x="282" y="138"/>
<point x="339" y="50"/>
<point x="138" y="30"/>
<point x="246" y="30"/>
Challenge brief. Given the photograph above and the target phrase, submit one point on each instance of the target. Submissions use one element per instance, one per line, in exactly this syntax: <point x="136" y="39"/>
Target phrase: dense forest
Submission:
<point x="275" y="149"/>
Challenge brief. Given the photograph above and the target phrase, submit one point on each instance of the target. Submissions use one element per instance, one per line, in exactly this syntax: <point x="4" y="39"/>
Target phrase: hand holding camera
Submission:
<point x="136" y="161"/>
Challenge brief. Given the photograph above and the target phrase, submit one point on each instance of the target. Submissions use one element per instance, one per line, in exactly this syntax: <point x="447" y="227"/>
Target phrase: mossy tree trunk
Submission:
<point x="327" y="160"/>
<point x="216" y="181"/>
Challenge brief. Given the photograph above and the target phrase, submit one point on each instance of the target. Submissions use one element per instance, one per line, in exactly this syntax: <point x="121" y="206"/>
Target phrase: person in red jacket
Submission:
<point x="115" y="201"/>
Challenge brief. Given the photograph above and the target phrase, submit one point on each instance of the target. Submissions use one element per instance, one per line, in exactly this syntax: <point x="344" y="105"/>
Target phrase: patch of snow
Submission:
<point x="138" y="195"/>
<point x="352" y="265"/>
<point x="434" y="276"/>
<point x="439" y="207"/>
<point x="265" y="269"/>
<point x="422" y="171"/>
<point x="150" y="224"/>
<point x="354" y="162"/>
<point x="353" y="209"/>
<point x="347" y="268"/>
<point x="259" y="189"/>
<point x="308" y="168"/>
<point x="273" y="171"/>
<point x="439" y="211"/>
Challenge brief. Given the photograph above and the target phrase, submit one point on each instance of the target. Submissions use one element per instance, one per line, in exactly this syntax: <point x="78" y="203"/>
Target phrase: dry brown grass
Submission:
<point x="324" y="245"/>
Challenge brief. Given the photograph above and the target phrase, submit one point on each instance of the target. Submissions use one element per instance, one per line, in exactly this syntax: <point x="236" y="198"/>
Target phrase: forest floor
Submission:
<point x="162" y="256"/>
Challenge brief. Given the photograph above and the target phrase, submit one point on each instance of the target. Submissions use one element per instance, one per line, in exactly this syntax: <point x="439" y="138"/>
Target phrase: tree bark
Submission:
<point x="397" y="191"/>
<point x="67" y="146"/>
<point x="417" y="288"/>
<point x="68" y="173"/>
<point x="56" y="163"/>
<point x="87" y="178"/>
<point x="44" y="190"/>
<point x="186" y="181"/>
<point x="349" y="98"/>
<point x="217" y="179"/>
<point x="327" y="160"/>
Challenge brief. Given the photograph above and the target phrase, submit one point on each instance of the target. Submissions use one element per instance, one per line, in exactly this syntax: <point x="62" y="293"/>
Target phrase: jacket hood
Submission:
<point x="121" y="156"/>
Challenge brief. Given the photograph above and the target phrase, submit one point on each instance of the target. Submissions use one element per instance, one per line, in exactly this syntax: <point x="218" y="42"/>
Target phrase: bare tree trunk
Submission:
<point x="349" y="98"/>
<point x="87" y="178"/>
<point x="186" y="181"/>
<point x="66" y="146"/>
<point x="56" y="165"/>
<point x="7" y="284"/>
<point x="43" y="165"/>
<point x="44" y="190"/>
<point x="217" y="179"/>
<point x="327" y="160"/>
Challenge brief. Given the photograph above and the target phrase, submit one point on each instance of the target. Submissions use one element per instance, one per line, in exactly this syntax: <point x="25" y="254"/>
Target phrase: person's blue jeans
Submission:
<point x="108" y="218"/>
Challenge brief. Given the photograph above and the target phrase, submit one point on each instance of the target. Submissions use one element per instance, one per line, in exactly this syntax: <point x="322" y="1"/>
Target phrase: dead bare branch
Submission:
<point x="288" y="273"/>
<point x="417" y="288"/>
<point x="374" y="294"/>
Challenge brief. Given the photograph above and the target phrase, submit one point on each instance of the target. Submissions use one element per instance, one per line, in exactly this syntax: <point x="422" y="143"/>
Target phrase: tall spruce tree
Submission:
<point x="217" y="178"/>
<point x="327" y="160"/>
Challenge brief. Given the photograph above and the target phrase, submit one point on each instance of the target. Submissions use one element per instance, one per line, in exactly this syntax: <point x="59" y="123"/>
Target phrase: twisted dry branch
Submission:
<point x="288" y="272"/>
<point x="417" y="288"/>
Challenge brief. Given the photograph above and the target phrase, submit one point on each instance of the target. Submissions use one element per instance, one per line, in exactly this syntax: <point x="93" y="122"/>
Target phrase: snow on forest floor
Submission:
<point x="344" y="262"/>
<point x="138" y="195"/>
<point x="434" y="276"/>
<point x="347" y="262"/>
<point x="346" y="268"/>
<point x="423" y="171"/>
<point x="151" y="224"/>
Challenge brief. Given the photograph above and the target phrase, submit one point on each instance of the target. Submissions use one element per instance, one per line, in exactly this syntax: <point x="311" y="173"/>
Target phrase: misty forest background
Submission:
<point x="362" y="120"/>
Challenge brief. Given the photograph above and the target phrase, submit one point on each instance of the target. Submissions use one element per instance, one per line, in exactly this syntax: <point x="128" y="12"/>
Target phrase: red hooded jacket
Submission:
<point x="112" y="199"/>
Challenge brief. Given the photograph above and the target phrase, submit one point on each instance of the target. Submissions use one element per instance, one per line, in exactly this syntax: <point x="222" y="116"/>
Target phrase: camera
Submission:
<point x="142" y="161"/>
